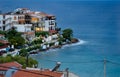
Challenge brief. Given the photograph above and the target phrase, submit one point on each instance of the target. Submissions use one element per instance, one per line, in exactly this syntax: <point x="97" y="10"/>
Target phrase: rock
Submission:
<point x="74" y="40"/>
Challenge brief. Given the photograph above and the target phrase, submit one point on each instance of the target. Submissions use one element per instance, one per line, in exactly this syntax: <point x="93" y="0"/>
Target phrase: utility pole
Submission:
<point x="67" y="72"/>
<point x="27" y="56"/>
<point x="105" y="67"/>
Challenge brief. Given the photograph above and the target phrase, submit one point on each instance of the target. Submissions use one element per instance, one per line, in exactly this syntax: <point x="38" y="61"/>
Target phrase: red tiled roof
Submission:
<point x="4" y="46"/>
<point x="1" y="75"/>
<point x="34" y="73"/>
<point x="6" y="66"/>
<point x="4" y="41"/>
<point x="45" y="14"/>
<point x="52" y="31"/>
<point x="2" y="35"/>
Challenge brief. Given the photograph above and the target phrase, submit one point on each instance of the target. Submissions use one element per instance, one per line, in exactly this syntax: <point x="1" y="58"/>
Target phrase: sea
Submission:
<point x="97" y="26"/>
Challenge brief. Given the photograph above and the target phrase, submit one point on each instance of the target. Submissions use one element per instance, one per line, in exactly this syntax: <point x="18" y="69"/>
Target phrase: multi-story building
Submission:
<point x="5" y="22"/>
<point x="44" y="22"/>
<point x="50" y="23"/>
<point x="25" y="20"/>
<point x="14" y="20"/>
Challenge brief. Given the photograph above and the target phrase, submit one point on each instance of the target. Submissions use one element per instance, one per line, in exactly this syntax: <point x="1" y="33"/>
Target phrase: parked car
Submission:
<point x="11" y="49"/>
<point x="2" y="52"/>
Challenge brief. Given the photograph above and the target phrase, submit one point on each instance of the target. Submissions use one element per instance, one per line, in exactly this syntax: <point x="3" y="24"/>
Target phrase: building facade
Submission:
<point x="22" y="16"/>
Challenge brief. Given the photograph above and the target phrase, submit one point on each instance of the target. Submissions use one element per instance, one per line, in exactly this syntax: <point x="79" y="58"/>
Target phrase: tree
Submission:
<point x="12" y="33"/>
<point x="37" y="41"/>
<point x="42" y="33"/>
<point x="15" y="38"/>
<point x="3" y="32"/>
<point x="67" y="34"/>
<point x="19" y="59"/>
<point x="23" y="52"/>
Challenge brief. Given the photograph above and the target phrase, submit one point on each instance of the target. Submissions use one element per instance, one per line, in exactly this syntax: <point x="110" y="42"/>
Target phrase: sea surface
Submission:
<point x="95" y="23"/>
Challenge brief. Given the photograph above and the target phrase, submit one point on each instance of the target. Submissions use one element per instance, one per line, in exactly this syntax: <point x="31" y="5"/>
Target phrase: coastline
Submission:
<point x="55" y="47"/>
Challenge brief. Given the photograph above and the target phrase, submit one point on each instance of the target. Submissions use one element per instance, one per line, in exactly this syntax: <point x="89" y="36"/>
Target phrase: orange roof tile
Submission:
<point x="6" y="66"/>
<point x="34" y="73"/>
<point x="1" y="75"/>
<point x="52" y="31"/>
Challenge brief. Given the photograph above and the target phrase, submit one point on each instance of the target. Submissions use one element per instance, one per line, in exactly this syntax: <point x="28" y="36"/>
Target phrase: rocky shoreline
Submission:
<point x="74" y="40"/>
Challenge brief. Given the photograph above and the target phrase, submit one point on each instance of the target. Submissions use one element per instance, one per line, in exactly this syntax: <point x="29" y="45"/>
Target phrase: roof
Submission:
<point x="4" y="46"/>
<point x="4" y="41"/>
<point x="52" y="31"/>
<point x="1" y="75"/>
<point x="44" y="14"/>
<point x="36" y="73"/>
<point x="6" y="66"/>
<point x="2" y="35"/>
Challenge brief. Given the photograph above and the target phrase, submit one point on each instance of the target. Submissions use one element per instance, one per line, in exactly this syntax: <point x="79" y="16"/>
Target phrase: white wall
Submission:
<point x="1" y="18"/>
<point x="12" y="17"/>
<point x="23" y="27"/>
<point x="7" y="20"/>
<point x="46" y="25"/>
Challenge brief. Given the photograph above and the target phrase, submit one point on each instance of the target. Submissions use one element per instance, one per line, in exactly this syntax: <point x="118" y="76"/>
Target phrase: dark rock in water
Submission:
<point x="53" y="47"/>
<point x="33" y="52"/>
<point x="74" y="40"/>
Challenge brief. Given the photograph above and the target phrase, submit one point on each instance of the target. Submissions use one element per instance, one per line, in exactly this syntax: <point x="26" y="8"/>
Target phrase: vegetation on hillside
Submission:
<point x="19" y="59"/>
<point x="42" y="33"/>
<point x="15" y="38"/>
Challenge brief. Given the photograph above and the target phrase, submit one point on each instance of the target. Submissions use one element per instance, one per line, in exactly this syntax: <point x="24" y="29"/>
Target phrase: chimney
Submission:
<point x="56" y="67"/>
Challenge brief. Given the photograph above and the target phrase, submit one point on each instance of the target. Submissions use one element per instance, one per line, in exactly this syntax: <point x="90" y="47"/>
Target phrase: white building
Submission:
<point x="5" y="22"/>
<point x="40" y="21"/>
<point x="46" y="22"/>
<point x="50" y="23"/>
<point x="21" y="10"/>
<point x="8" y="20"/>
<point x="23" y="27"/>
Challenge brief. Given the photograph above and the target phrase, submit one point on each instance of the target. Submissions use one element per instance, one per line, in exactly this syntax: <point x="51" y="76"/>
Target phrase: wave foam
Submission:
<point x="81" y="42"/>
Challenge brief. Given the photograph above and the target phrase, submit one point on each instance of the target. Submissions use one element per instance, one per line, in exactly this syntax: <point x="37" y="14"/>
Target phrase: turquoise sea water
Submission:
<point x="96" y="23"/>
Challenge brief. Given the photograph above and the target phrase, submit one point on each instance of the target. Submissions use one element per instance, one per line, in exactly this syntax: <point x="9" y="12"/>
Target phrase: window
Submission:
<point x="3" y="27"/>
<point x="15" y="18"/>
<point x="3" y="16"/>
<point x="3" y="22"/>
